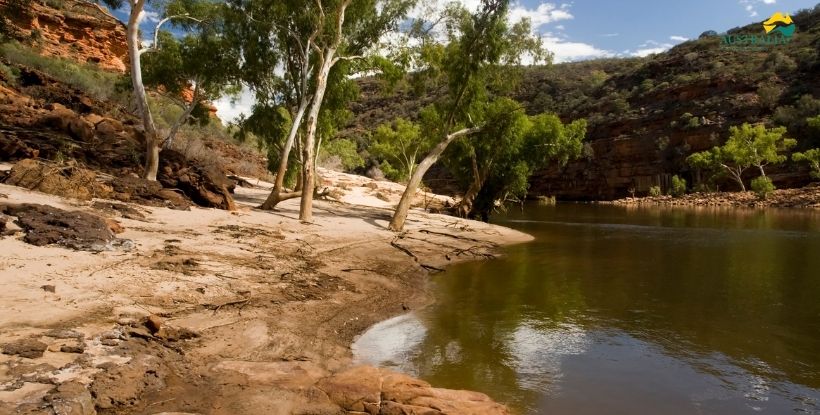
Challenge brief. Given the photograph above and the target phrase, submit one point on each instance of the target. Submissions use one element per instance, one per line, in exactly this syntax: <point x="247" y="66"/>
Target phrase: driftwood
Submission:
<point x="463" y="238"/>
<point x="414" y="256"/>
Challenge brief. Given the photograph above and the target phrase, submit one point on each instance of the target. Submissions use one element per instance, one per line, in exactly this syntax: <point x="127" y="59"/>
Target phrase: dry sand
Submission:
<point x="274" y="303"/>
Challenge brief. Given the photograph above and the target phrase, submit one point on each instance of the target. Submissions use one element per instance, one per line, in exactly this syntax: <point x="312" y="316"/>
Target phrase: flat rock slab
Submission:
<point x="28" y="348"/>
<point x="46" y="225"/>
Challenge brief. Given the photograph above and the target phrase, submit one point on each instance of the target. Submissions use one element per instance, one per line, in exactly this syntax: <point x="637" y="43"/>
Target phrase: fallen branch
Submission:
<point x="472" y="250"/>
<point x="463" y="238"/>
<point x="216" y="308"/>
<point x="412" y="255"/>
<point x="360" y="269"/>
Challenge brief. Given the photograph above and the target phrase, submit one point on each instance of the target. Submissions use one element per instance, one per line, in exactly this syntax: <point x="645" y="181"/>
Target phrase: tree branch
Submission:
<point x="183" y="118"/>
<point x="347" y="58"/>
<point x="155" y="45"/>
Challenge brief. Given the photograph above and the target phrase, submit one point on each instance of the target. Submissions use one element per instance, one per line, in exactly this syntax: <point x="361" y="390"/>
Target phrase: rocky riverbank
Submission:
<point x="806" y="197"/>
<point x="215" y="312"/>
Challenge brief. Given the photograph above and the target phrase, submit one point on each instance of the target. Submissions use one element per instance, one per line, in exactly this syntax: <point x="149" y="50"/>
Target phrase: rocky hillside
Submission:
<point x="65" y="105"/>
<point x="74" y="29"/>
<point x="647" y="114"/>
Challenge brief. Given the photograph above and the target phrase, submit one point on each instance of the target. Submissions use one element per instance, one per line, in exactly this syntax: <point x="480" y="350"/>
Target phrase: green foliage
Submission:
<point x="678" y="186"/>
<point x="812" y="158"/>
<point x="270" y="125"/>
<point x="770" y="95"/>
<point x="497" y="162"/>
<point x="341" y="153"/>
<point x="401" y="144"/>
<point x="8" y="73"/>
<point x="756" y="145"/>
<point x="93" y="81"/>
<point x="762" y="186"/>
<point x="391" y="172"/>
<point x="655" y="191"/>
<point x="748" y="146"/>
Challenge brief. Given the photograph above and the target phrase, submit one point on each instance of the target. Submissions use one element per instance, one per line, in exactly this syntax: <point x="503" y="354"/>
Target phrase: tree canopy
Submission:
<point x="748" y="146"/>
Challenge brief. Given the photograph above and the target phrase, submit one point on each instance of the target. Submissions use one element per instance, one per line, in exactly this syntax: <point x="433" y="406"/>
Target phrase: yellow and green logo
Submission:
<point x="779" y="30"/>
<point x="780" y="23"/>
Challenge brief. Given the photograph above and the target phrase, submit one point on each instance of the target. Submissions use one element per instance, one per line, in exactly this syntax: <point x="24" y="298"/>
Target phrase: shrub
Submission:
<point x="763" y="186"/>
<point x="87" y="78"/>
<point x="678" y="186"/>
<point x="655" y="191"/>
<point x="8" y="73"/>
<point x="812" y="158"/>
<point x="340" y="153"/>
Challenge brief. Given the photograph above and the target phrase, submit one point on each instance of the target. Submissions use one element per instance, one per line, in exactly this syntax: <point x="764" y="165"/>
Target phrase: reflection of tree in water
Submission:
<point x="480" y="335"/>
<point x="693" y="284"/>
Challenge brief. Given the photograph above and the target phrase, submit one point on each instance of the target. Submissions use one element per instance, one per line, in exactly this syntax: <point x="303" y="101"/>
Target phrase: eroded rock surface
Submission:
<point x="46" y="225"/>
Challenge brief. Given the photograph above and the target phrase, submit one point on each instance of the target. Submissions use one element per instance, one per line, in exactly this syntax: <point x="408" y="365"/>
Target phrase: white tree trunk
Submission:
<point x="277" y="195"/>
<point x="308" y="150"/>
<point x="400" y="216"/>
<point x="152" y="145"/>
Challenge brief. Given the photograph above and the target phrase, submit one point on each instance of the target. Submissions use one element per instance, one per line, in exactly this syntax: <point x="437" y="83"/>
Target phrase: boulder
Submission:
<point x="145" y="192"/>
<point x="46" y="225"/>
<point x="206" y="184"/>
<point x="61" y="180"/>
<point x="12" y="148"/>
<point x="357" y="389"/>
<point x="71" y="398"/>
<point x="28" y="348"/>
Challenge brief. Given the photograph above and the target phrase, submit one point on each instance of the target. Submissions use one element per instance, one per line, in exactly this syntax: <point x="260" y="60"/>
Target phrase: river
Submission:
<point x="626" y="310"/>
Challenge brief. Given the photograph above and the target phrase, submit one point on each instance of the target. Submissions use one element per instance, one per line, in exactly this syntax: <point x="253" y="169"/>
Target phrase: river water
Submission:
<point x="618" y="310"/>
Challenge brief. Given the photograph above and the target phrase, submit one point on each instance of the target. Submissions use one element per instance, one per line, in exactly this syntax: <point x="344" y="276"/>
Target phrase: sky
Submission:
<point x="587" y="29"/>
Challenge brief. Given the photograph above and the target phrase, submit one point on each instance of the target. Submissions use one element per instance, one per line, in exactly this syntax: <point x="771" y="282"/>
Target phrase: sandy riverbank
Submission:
<point x="257" y="311"/>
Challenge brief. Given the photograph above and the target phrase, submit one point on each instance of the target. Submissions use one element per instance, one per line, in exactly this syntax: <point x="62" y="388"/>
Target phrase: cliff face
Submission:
<point x="73" y="29"/>
<point x="646" y="115"/>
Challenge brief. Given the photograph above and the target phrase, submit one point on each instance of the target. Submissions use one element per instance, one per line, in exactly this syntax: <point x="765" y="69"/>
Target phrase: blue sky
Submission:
<point x="586" y="29"/>
<point x="583" y="29"/>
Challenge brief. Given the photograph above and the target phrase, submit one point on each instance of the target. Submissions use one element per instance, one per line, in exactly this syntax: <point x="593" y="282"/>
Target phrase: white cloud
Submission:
<point x="543" y="14"/>
<point x="567" y="51"/>
<point x="151" y="16"/>
<point x="678" y="38"/>
<point x="610" y="35"/>
<point x="751" y="5"/>
<point x="650" y="47"/>
<point x="229" y="108"/>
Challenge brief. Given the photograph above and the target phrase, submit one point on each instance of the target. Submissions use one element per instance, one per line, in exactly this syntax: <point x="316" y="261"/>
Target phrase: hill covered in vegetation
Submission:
<point x="646" y="115"/>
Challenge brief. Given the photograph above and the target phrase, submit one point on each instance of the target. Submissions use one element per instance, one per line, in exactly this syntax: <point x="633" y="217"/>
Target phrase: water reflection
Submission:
<point x="617" y="310"/>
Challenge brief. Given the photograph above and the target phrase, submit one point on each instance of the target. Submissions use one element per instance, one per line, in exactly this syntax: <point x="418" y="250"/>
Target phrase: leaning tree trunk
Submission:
<point x="152" y="144"/>
<point x="400" y="216"/>
<point x="277" y="195"/>
<point x="465" y="206"/>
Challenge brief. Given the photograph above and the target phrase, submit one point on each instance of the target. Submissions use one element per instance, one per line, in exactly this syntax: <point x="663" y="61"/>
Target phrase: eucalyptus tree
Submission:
<point x="290" y="48"/>
<point x="199" y="63"/>
<point x="748" y="146"/>
<point x="497" y="162"/>
<point x="186" y="15"/>
<point x="476" y="49"/>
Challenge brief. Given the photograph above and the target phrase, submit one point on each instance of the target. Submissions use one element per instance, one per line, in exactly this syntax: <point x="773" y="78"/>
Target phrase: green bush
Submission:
<point x="8" y="73"/>
<point x="97" y="83"/>
<point x="811" y="157"/>
<point x="340" y="153"/>
<point x="655" y="191"/>
<point x="763" y="186"/>
<point x="678" y="186"/>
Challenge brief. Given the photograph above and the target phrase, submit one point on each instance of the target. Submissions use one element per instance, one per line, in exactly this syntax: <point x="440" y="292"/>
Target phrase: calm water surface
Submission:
<point x="616" y="310"/>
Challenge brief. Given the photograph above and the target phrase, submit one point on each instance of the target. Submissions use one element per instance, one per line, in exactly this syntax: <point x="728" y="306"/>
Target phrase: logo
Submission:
<point x="780" y="23"/>
<point x="778" y="30"/>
